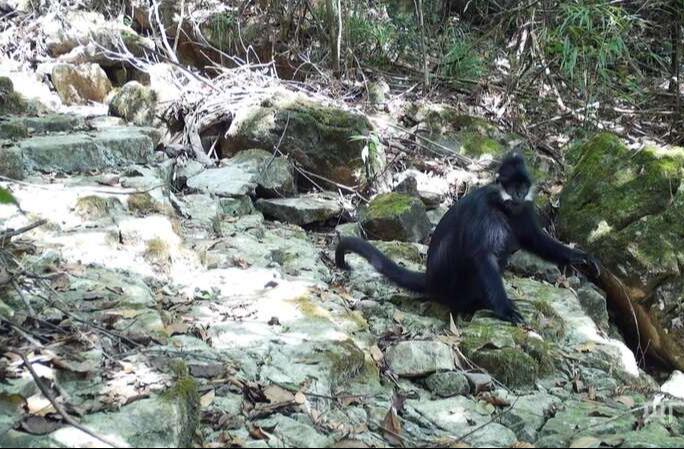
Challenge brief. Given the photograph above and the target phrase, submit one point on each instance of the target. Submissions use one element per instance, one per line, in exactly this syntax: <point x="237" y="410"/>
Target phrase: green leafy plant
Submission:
<point x="6" y="197"/>
<point x="588" y="41"/>
<point x="372" y="40"/>
<point x="462" y="62"/>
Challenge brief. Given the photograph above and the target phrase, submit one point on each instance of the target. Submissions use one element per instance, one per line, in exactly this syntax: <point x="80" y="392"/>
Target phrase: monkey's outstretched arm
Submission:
<point x="534" y="239"/>
<point x="489" y="279"/>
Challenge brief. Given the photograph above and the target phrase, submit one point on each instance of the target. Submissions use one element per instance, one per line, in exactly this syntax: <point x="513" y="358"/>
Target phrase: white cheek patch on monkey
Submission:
<point x="531" y="194"/>
<point x="504" y="195"/>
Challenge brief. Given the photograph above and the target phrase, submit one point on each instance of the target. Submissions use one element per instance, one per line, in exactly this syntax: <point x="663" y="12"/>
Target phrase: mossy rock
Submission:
<point x="475" y="137"/>
<point x="395" y="216"/>
<point x="134" y="103"/>
<point x="319" y="137"/>
<point x="615" y="185"/>
<point x="627" y="207"/>
<point x="143" y="204"/>
<point x="506" y="352"/>
<point x="11" y="102"/>
<point x="96" y="207"/>
<point x="13" y="130"/>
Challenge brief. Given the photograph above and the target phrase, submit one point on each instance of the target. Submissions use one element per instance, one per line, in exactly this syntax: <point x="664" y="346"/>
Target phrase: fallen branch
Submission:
<point x="8" y="234"/>
<point x="50" y="397"/>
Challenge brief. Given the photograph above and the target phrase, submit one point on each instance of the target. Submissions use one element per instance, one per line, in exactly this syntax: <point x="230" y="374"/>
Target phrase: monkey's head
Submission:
<point x="514" y="182"/>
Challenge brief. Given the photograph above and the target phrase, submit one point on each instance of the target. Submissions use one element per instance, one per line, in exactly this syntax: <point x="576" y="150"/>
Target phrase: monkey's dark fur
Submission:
<point x="472" y="243"/>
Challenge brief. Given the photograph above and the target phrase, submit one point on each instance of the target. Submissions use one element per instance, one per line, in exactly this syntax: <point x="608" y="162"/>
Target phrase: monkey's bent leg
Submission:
<point x="489" y="280"/>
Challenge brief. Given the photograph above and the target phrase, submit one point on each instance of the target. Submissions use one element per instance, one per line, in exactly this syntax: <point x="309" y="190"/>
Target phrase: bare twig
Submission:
<point x="8" y="234"/>
<point x="55" y="403"/>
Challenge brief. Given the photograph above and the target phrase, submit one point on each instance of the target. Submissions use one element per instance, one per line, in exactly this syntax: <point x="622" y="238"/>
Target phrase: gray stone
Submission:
<point x="460" y="416"/>
<point x="348" y="230"/>
<point x="296" y="432"/>
<point x="244" y="173"/>
<point x="134" y="103"/>
<point x="395" y="216"/>
<point x="152" y="422"/>
<point x="377" y="92"/>
<point x="12" y="163"/>
<point x="594" y="304"/>
<point x="480" y="382"/>
<point x="652" y="435"/>
<point x="275" y="175"/>
<point x="80" y="152"/>
<point x="302" y="210"/>
<point x="185" y="171"/>
<point x="317" y="136"/>
<point x="237" y="206"/>
<point x="580" y="418"/>
<point x="419" y="358"/>
<point x="524" y="263"/>
<point x="79" y="84"/>
<point x="231" y="180"/>
<point x="201" y="208"/>
<point x="528" y="414"/>
<point x="436" y="215"/>
<point x="448" y="383"/>
<point x="249" y="243"/>
<point x="105" y="121"/>
<point x="49" y="123"/>
<point x="12" y="130"/>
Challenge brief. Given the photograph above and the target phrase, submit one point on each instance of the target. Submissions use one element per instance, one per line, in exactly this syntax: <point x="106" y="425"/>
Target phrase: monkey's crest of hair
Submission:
<point x="513" y="166"/>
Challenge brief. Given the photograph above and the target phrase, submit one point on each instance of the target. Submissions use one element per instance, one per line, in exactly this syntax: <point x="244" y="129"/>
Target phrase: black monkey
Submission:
<point x="472" y="243"/>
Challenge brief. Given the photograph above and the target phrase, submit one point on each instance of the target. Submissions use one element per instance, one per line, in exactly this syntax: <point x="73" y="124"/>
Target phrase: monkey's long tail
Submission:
<point x="410" y="280"/>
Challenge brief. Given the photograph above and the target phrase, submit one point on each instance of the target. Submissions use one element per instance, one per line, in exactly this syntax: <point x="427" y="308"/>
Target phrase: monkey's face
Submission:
<point x="514" y="195"/>
<point x="515" y="183"/>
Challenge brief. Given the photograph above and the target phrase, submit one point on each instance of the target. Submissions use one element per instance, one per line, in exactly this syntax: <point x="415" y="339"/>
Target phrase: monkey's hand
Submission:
<point x="589" y="262"/>
<point x="511" y="315"/>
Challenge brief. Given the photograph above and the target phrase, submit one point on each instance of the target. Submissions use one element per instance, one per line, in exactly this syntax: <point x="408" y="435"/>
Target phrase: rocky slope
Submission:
<point x="190" y="316"/>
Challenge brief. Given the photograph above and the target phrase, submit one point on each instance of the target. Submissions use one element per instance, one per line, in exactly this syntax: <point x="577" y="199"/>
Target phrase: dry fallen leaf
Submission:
<point x="207" y="398"/>
<point x="586" y="442"/>
<point x="277" y="395"/>
<point x="626" y="400"/>
<point x="391" y="427"/>
<point x="494" y="399"/>
<point x="300" y="398"/>
<point x="377" y="354"/>
<point x="177" y="328"/>
<point x="38" y="405"/>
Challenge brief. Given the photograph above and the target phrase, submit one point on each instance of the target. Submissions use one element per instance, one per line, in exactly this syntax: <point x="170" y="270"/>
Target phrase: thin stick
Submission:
<point x="50" y="397"/>
<point x="6" y="235"/>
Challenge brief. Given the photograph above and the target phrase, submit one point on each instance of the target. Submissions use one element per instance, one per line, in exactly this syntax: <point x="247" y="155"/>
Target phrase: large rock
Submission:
<point x="419" y="358"/>
<point x="627" y="207"/>
<point x="49" y="123"/>
<point x="448" y="383"/>
<point x="79" y="36"/>
<point x="247" y="173"/>
<point x="153" y="422"/>
<point x="450" y="131"/>
<point x="80" y="84"/>
<point x="461" y="417"/>
<point x="134" y="103"/>
<point x="10" y="101"/>
<point x="302" y="210"/>
<point x="80" y="152"/>
<point x="275" y="175"/>
<point x="395" y="216"/>
<point x="317" y="136"/>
